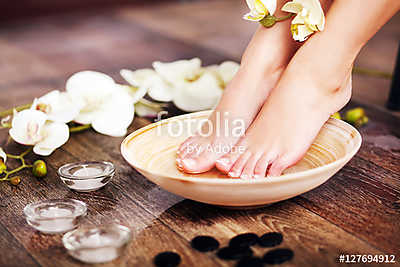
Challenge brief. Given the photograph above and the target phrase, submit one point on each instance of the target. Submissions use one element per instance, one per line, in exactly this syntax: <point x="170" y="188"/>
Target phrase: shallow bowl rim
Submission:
<point x="267" y="180"/>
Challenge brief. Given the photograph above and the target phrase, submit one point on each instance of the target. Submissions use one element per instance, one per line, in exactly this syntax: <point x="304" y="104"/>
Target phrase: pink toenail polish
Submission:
<point x="189" y="163"/>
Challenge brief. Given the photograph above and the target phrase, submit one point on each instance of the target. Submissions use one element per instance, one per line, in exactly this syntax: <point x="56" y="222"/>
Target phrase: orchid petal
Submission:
<point x="90" y="89"/>
<point x="3" y="155"/>
<point x="252" y="17"/>
<point x="136" y="93"/>
<point x="302" y="33"/>
<point x="115" y="116"/>
<point x="26" y="126"/>
<point x="228" y="70"/>
<point x="158" y="89"/>
<point x="58" y="106"/>
<point x="180" y="70"/>
<point x="55" y="135"/>
<point x="292" y="7"/>
<point x="137" y="77"/>
<point x="270" y="5"/>
<point x="201" y="94"/>
<point x="310" y="18"/>
<point x="148" y="111"/>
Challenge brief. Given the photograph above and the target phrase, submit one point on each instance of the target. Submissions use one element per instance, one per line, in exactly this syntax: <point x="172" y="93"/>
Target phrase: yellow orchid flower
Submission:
<point x="259" y="9"/>
<point x="310" y="18"/>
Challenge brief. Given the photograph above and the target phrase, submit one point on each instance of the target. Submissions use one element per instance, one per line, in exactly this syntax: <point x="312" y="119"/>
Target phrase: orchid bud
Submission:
<point x="15" y="180"/>
<point x="39" y="169"/>
<point x="268" y="21"/>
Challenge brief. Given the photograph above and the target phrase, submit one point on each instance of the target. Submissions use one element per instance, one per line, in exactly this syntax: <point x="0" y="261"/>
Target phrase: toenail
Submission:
<point x="233" y="174"/>
<point x="257" y="176"/>
<point x="223" y="161"/>
<point x="189" y="163"/>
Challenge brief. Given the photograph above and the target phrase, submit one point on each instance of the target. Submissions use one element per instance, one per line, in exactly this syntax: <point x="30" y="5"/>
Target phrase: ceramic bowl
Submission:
<point x="151" y="150"/>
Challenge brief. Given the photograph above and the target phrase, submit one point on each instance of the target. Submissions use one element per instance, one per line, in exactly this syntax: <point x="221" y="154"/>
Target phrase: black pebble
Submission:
<point x="250" y="262"/>
<point x="204" y="243"/>
<point x="244" y="240"/>
<point x="167" y="259"/>
<point x="270" y="239"/>
<point x="278" y="256"/>
<point x="234" y="253"/>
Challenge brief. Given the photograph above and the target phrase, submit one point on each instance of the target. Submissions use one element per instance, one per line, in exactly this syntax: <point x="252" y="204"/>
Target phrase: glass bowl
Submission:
<point x="97" y="244"/>
<point x="86" y="176"/>
<point x="56" y="215"/>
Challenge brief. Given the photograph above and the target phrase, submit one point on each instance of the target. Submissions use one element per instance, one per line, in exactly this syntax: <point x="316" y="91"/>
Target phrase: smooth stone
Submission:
<point x="167" y="259"/>
<point x="234" y="253"/>
<point x="250" y="262"/>
<point x="244" y="240"/>
<point x="204" y="243"/>
<point x="270" y="239"/>
<point x="278" y="256"/>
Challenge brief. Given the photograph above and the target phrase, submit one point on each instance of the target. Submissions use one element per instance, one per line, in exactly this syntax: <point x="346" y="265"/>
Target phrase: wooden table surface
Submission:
<point x="355" y="212"/>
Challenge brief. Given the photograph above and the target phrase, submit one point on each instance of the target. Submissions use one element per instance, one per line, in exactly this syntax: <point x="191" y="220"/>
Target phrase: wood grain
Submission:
<point x="355" y="212"/>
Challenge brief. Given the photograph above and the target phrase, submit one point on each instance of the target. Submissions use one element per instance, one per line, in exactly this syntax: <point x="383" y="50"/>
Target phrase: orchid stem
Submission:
<point x="372" y="73"/>
<point x="23" y="164"/>
<point x="79" y="128"/>
<point x="285" y="17"/>
<point x="11" y="110"/>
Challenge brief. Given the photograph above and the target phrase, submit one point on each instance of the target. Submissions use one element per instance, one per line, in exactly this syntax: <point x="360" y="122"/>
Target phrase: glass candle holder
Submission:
<point x="55" y="216"/>
<point x="86" y="176"/>
<point x="97" y="244"/>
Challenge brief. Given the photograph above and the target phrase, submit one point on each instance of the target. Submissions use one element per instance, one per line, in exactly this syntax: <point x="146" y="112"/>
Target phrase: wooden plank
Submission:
<point x="12" y="251"/>
<point x="110" y="204"/>
<point x="189" y="219"/>
<point x="105" y="43"/>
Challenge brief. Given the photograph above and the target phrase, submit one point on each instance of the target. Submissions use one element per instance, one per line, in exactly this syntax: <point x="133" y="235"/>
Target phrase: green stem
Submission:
<point x="79" y="128"/>
<point x="373" y="73"/>
<point x="11" y="111"/>
<point x="23" y="164"/>
<point x="285" y="17"/>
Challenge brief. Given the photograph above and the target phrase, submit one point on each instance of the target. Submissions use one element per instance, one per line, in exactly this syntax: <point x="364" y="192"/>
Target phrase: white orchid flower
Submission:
<point x="202" y="94"/>
<point x="146" y="108"/>
<point x="136" y="93"/>
<point x="227" y="70"/>
<point x="259" y="9"/>
<point x="30" y="127"/>
<point x="106" y="106"/>
<point x="58" y="106"/>
<point x="3" y="155"/>
<point x="310" y="18"/>
<point x="178" y="71"/>
<point x="151" y="82"/>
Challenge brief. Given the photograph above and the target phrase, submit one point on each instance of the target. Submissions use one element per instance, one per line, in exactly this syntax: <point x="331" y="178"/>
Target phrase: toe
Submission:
<point x="239" y="164"/>
<point x="184" y="146"/>
<point x="198" y="162"/>
<point x="248" y="170"/>
<point x="260" y="170"/>
<point x="279" y="165"/>
<point x="225" y="163"/>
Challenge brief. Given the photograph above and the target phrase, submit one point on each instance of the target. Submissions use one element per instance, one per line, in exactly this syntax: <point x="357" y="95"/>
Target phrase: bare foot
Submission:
<point x="261" y="68"/>
<point x="239" y="105"/>
<point x="286" y="126"/>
